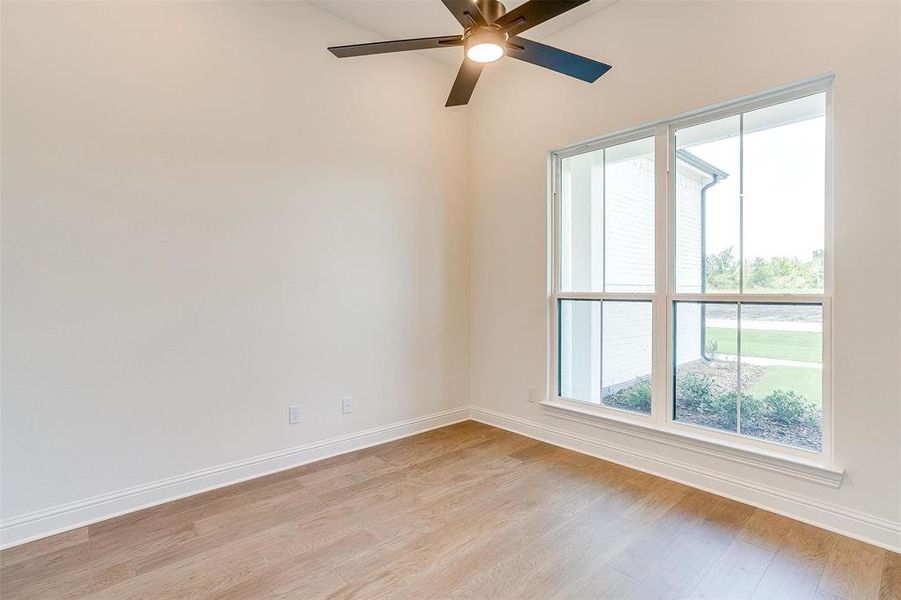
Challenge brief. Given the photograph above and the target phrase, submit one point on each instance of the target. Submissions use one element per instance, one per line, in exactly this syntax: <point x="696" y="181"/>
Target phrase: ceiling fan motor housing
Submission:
<point x="491" y="9"/>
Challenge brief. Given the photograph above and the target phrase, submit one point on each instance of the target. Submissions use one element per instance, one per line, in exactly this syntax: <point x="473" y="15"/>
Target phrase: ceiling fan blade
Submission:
<point x="534" y="12"/>
<point x="556" y="59"/>
<point x="396" y="46"/>
<point x="466" y="12"/>
<point x="465" y="83"/>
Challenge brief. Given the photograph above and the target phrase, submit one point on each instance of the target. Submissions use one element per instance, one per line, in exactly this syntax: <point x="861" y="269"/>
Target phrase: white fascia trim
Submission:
<point x="872" y="529"/>
<point x="65" y="517"/>
<point x="784" y="465"/>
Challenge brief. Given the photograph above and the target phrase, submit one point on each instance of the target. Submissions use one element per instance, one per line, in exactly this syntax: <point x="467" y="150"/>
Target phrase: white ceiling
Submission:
<point x="399" y="19"/>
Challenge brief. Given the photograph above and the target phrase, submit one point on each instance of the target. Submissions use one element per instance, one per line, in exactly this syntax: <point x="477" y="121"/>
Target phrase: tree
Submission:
<point x="781" y="273"/>
<point x="722" y="270"/>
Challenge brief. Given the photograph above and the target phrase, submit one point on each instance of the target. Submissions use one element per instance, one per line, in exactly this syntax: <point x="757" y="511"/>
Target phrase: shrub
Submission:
<point x="782" y="416"/>
<point x="723" y="406"/>
<point x="638" y="397"/>
<point x="788" y="408"/>
<point x="751" y="407"/>
<point x="695" y="390"/>
<point x="699" y="393"/>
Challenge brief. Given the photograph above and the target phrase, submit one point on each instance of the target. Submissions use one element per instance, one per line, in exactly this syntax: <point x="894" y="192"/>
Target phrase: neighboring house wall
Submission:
<point x="689" y="271"/>
<point x="611" y="210"/>
<point x="629" y="212"/>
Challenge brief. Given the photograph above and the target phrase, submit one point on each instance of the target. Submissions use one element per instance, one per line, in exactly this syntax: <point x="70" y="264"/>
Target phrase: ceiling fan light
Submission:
<point x="485" y="53"/>
<point x="485" y="44"/>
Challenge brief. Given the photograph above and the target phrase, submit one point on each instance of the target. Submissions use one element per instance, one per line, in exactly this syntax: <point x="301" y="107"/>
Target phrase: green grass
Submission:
<point x="801" y="380"/>
<point x="804" y="346"/>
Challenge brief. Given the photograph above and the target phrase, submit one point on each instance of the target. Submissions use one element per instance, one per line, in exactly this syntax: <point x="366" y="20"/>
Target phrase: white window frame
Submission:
<point x="664" y="297"/>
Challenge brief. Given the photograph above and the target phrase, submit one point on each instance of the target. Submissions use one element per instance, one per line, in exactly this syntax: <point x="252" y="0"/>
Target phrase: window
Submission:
<point x="606" y="251"/>
<point x="691" y="283"/>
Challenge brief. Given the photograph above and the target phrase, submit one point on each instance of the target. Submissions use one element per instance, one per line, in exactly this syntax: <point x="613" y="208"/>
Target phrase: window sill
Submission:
<point x="775" y="462"/>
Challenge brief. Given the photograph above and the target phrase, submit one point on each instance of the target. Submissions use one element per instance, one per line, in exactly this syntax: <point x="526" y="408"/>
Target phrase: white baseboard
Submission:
<point x="868" y="528"/>
<point x="32" y="526"/>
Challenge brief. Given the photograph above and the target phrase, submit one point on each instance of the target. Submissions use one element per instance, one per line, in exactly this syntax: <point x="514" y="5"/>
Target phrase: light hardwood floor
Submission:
<point x="467" y="511"/>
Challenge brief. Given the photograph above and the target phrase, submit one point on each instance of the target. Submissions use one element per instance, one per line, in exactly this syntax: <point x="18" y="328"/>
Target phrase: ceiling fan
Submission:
<point x="490" y="33"/>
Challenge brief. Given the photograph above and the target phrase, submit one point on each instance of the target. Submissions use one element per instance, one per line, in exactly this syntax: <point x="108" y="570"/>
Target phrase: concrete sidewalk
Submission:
<point x="766" y="325"/>
<point x="768" y="362"/>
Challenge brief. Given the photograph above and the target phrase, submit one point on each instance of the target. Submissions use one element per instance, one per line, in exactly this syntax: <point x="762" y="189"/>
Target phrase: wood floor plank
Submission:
<point x="568" y="558"/>
<point x="610" y="521"/>
<point x="19" y="554"/>
<point x="85" y="583"/>
<point x="68" y="567"/>
<point x="766" y="530"/>
<point x="466" y="511"/>
<point x="489" y="516"/>
<point x="601" y="583"/>
<point x="294" y="582"/>
<point x="407" y="531"/>
<point x="249" y="562"/>
<point x="313" y="577"/>
<point x="691" y="556"/>
<point x="398" y="529"/>
<point x="380" y="584"/>
<point x="853" y="570"/>
<point x="890" y="580"/>
<point x="677" y="531"/>
<point x="796" y="568"/>
<point x="213" y="532"/>
<point x="735" y="575"/>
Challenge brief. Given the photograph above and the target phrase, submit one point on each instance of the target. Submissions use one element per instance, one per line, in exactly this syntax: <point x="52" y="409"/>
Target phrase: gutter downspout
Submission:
<point x="716" y="180"/>
<point x="718" y="176"/>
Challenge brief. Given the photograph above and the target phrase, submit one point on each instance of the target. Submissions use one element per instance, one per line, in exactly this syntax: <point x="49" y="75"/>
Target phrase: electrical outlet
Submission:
<point x="347" y="405"/>
<point x="293" y="415"/>
<point x="530" y="394"/>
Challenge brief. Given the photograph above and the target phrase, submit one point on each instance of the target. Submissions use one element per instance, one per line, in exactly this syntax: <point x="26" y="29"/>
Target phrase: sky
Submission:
<point x="784" y="186"/>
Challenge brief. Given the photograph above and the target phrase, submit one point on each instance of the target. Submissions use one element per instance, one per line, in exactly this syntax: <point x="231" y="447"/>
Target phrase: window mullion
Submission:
<point x="741" y="203"/>
<point x="601" y="354"/>
<point x="738" y="390"/>
<point x="741" y="268"/>
<point x="660" y="317"/>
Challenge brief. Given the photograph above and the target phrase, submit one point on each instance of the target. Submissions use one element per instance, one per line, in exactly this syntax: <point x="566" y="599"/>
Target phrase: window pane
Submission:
<point x="782" y="373"/>
<point x="607" y="219"/>
<point x="627" y="355"/>
<point x="605" y="353"/>
<point x="706" y="374"/>
<point x="784" y="197"/>
<point x="708" y="160"/>
<point x="751" y="187"/>
<point x="580" y="350"/>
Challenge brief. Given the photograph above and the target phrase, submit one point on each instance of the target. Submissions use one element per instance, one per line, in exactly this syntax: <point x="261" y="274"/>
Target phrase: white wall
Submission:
<point x="668" y="58"/>
<point x="207" y="217"/>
